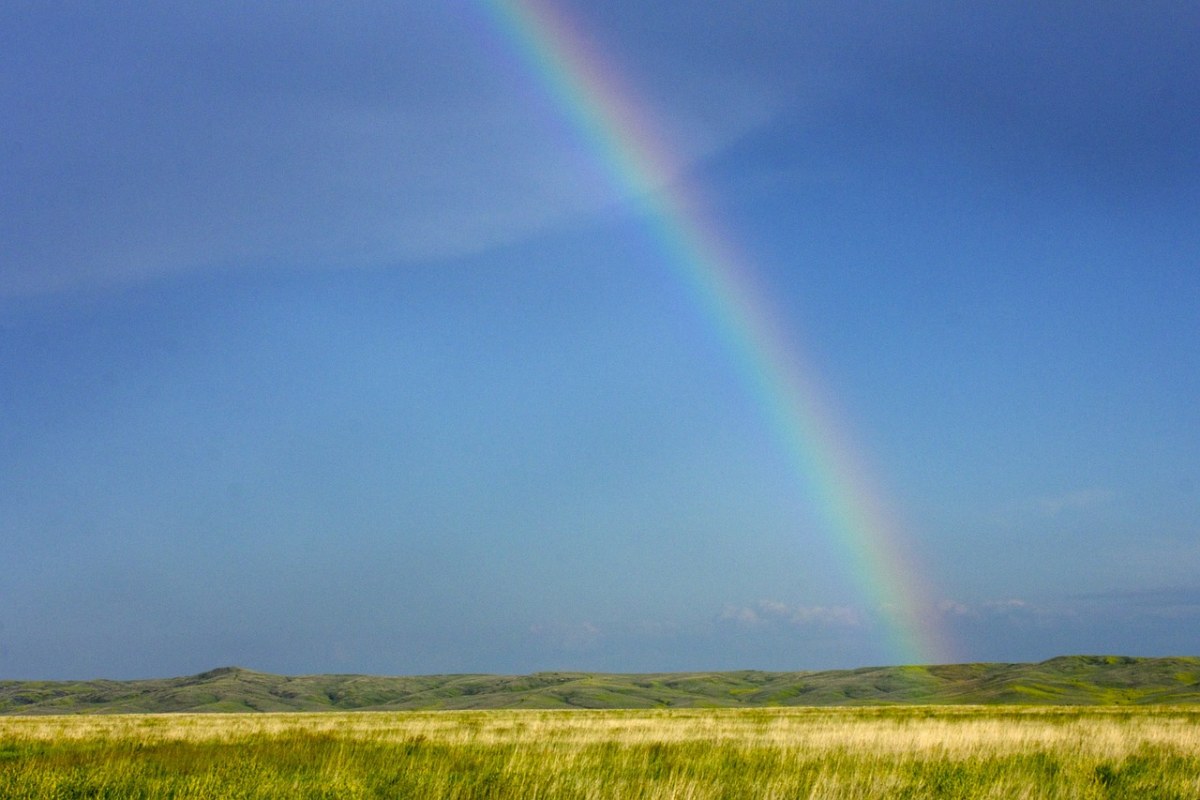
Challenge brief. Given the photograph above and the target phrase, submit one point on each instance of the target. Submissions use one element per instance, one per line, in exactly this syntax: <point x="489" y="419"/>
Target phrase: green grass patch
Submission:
<point x="897" y="751"/>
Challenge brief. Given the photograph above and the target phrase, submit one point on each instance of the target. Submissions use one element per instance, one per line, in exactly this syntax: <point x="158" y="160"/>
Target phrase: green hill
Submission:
<point x="1068" y="680"/>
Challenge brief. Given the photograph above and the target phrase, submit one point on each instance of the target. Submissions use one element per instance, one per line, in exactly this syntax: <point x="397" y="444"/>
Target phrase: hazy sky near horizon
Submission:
<point x="329" y="344"/>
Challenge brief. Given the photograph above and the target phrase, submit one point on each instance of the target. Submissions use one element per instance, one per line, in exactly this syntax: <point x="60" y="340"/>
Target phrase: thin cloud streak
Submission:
<point x="172" y="167"/>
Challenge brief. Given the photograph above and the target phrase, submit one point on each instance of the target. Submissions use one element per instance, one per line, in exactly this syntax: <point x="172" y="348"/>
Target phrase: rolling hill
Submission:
<point x="1067" y="680"/>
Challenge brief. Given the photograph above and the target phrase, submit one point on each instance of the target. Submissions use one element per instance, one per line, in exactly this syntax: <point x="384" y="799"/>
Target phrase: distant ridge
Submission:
<point x="1067" y="680"/>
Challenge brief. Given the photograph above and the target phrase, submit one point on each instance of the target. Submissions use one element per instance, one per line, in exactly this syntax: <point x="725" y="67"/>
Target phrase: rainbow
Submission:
<point x="588" y="90"/>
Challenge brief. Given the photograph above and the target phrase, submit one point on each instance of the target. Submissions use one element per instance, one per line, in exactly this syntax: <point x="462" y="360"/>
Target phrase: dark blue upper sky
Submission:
<point x="327" y="345"/>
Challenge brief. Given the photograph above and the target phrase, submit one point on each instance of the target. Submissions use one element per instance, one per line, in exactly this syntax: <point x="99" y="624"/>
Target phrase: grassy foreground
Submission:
<point x="996" y="752"/>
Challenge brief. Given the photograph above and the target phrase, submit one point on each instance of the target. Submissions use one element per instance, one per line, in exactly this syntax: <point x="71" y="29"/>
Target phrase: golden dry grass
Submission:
<point x="842" y="752"/>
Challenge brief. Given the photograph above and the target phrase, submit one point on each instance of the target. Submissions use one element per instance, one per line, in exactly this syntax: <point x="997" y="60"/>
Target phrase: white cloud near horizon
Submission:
<point x="579" y="636"/>
<point x="774" y="612"/>
<point x="1005" y="607"/>
<point x="1080" y="499"/>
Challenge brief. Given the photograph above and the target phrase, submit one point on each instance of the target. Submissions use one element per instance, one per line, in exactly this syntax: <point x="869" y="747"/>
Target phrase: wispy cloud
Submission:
<point x="1180" y="602"/>
<point x="743" y="615"/>
<point x="569" y="636"/>
<point x="773" y="612"/>
<point x="1080" y="499"/>
<point x="214" y="146"/>
<point x="1011" y="608"/>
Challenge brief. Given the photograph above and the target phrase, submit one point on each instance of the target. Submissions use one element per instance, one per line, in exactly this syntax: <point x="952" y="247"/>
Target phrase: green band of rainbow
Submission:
<point x="588" y="91"/>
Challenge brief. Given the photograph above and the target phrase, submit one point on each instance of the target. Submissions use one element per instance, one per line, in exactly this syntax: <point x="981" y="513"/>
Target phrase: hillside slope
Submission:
<point x="1067" y="680"/>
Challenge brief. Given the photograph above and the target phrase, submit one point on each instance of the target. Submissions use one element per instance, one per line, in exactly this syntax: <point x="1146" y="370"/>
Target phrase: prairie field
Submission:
<point x="862" y="752"/>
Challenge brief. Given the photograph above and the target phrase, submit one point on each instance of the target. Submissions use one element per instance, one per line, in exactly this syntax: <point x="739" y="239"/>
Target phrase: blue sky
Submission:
<point x="328" y="345"/>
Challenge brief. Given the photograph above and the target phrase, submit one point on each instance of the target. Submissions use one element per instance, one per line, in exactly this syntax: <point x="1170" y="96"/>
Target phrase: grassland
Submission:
<point x="1069" y="680"/>
<point x="900" y="751"/>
